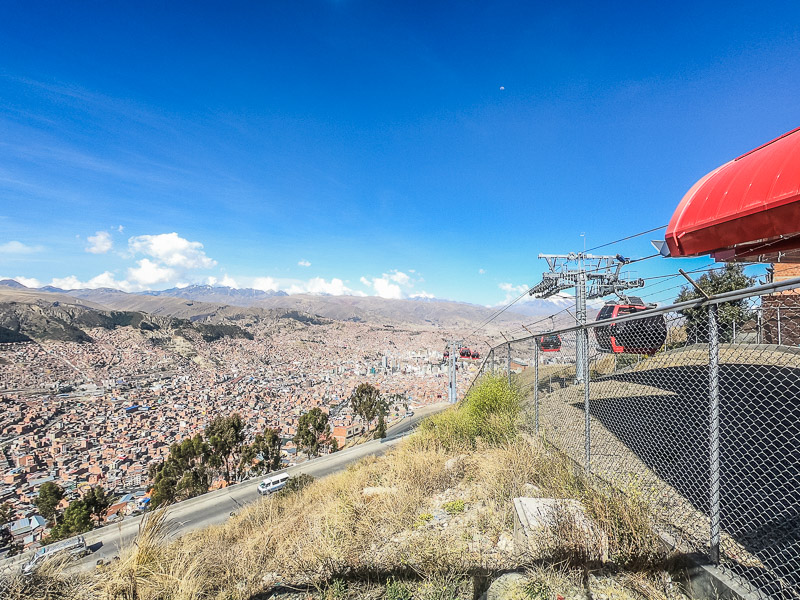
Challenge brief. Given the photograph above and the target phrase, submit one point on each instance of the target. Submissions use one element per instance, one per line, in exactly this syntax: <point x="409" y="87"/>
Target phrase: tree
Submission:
<point x="225" y="439"/>
<point x="364" y="402"/>
<point x="368" y="403"/>
<point x="310" y="427"/>
<point x="97" y="501"/>
<point x="263" y="455"/>
<point x="730" y="278"/>
<point x="184" y="473"/>
<point x="50" y="495"/>
<point x="6" y="539"/>
<point x="6" y="513"/>
<point x="382" y="410"/>
<point x="77" y="519"/>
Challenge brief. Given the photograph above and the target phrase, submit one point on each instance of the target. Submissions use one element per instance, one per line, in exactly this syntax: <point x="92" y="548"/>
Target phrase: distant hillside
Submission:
<point x="12" y="284"/>
<point x="370" y="309"/>
<point x="217" y="294"/>
<point x="38" y="317"/>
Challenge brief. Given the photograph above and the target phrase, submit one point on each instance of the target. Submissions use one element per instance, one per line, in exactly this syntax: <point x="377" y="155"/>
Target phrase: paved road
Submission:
<point x="216" y="507"/>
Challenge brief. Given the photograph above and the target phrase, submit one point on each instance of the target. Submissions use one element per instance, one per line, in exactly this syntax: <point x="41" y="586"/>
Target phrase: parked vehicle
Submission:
<point x="273" y="484"/>
<point x="63" y="550"/>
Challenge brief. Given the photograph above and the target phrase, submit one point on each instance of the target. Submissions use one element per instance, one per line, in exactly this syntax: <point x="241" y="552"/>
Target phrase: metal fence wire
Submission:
<point x="695" y="408"/>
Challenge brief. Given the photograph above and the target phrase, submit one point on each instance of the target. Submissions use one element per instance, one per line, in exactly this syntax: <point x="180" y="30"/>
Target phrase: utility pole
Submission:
<point x="592" y="277"/>
<point x="452" y="387"/>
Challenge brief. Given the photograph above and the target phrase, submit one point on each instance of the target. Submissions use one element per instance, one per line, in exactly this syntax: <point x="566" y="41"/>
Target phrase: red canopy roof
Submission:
<point x="746" y="210"/>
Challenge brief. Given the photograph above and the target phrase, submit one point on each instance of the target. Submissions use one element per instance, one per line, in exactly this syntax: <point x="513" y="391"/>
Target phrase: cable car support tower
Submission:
<point x="452" y="362"/>
<point x="592" y="277"/>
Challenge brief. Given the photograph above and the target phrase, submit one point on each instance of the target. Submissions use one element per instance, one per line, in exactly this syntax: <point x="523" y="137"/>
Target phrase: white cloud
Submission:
<point x="394" y="284"/>
<point x="104" y="280"/>
<point x="304" y="263"/>
<point x="15" y="247"/>
<point x="171" y="250"/>
<point x="120" y="228"/>
<point x="422" y="294"/>
<point x="150" y="273"/>
<point x="385" y="289"/>
<point x="211" y="280"/>
<point x="512" y="291"/>
<point x="100" y="243"/>
<point x="318" y="285"/>
<point x="265" y="284"/>
<point x="511" y="288"/>
<point x="67" y="283"/>
<point x="400" y="277"/>
<point x="229" y="281"/>
<point x="481" y="271"/>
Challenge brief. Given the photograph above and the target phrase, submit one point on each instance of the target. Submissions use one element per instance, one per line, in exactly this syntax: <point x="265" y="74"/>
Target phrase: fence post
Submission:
<point x="588" y="425"/>
<point x="760" y="325"/>
<point x="713" y="388"/>
<point x="536" y="388"/>
<point x="779" y="326"/>
<point x="508" y="362"/>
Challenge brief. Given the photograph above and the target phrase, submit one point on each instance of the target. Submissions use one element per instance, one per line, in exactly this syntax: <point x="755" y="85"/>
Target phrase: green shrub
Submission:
<point x="537" y="589"/>
<point x="454" y="507"/>
<point x="336" y="590"/>
<point x="489" y="412"/>
<point x="397" y="590"/>
<point x="422" y="520"/>
<point x="295" y="484"/>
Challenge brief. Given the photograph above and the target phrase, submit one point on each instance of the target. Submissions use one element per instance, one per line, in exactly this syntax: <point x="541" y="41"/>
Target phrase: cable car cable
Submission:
<point x="630" y="237"/>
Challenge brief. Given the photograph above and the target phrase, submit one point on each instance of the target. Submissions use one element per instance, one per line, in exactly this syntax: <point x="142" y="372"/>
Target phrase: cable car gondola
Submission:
<point x="475" y="355"/>
<point x="549" y="343"/>
<point x="464" y="352"/>
<point x="642" y="336"/>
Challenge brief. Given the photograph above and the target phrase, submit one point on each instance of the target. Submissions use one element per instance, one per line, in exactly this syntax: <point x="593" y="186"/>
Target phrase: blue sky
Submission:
<point x="369" y="147"/>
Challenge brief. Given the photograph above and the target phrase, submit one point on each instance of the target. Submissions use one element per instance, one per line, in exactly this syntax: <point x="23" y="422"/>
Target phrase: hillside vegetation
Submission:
<point x="431" y="519"/>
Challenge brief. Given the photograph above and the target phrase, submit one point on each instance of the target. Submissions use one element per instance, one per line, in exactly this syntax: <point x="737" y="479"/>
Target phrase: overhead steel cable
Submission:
<point x="525" y="327"/>
<point x="630" y="237"/>
<point x="497" y="313"/>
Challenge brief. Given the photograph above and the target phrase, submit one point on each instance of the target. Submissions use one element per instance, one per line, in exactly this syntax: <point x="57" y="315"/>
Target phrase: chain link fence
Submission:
<point x="693" y="407"/>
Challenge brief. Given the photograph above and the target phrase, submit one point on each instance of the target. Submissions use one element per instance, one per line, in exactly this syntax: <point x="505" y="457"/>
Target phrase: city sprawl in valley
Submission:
<point x="100" y="412"/>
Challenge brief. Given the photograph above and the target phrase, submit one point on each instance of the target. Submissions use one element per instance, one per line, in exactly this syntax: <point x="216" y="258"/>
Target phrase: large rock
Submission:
<point x="510" y="586"/>
<point x="542" y="525"/>
<point x="378" y="490"/>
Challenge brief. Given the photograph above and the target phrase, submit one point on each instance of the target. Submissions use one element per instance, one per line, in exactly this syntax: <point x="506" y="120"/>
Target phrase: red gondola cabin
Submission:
<point x="549" y="343"/>
<point x="642" y="336"/>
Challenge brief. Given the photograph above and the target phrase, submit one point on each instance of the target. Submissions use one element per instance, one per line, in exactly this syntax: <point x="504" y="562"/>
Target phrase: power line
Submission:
<point x="630" y="237"/>
<point x="547" y="318"/>
<point x="497" y="313"/>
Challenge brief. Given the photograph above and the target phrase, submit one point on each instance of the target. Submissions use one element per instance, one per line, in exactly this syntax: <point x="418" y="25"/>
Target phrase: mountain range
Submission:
<point x="219" y="303"/>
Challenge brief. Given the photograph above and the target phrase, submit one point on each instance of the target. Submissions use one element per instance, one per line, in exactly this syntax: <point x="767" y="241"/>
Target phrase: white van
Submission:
<point x="273" y="484"/>
<point x="71" y="548"/>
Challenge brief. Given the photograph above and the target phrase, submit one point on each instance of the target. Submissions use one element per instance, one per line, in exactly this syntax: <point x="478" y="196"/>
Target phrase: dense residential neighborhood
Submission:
<point x="84" y="415"/>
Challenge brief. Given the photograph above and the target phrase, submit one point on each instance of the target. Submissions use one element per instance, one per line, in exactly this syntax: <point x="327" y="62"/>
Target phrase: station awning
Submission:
<point x="746" y="210"/>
